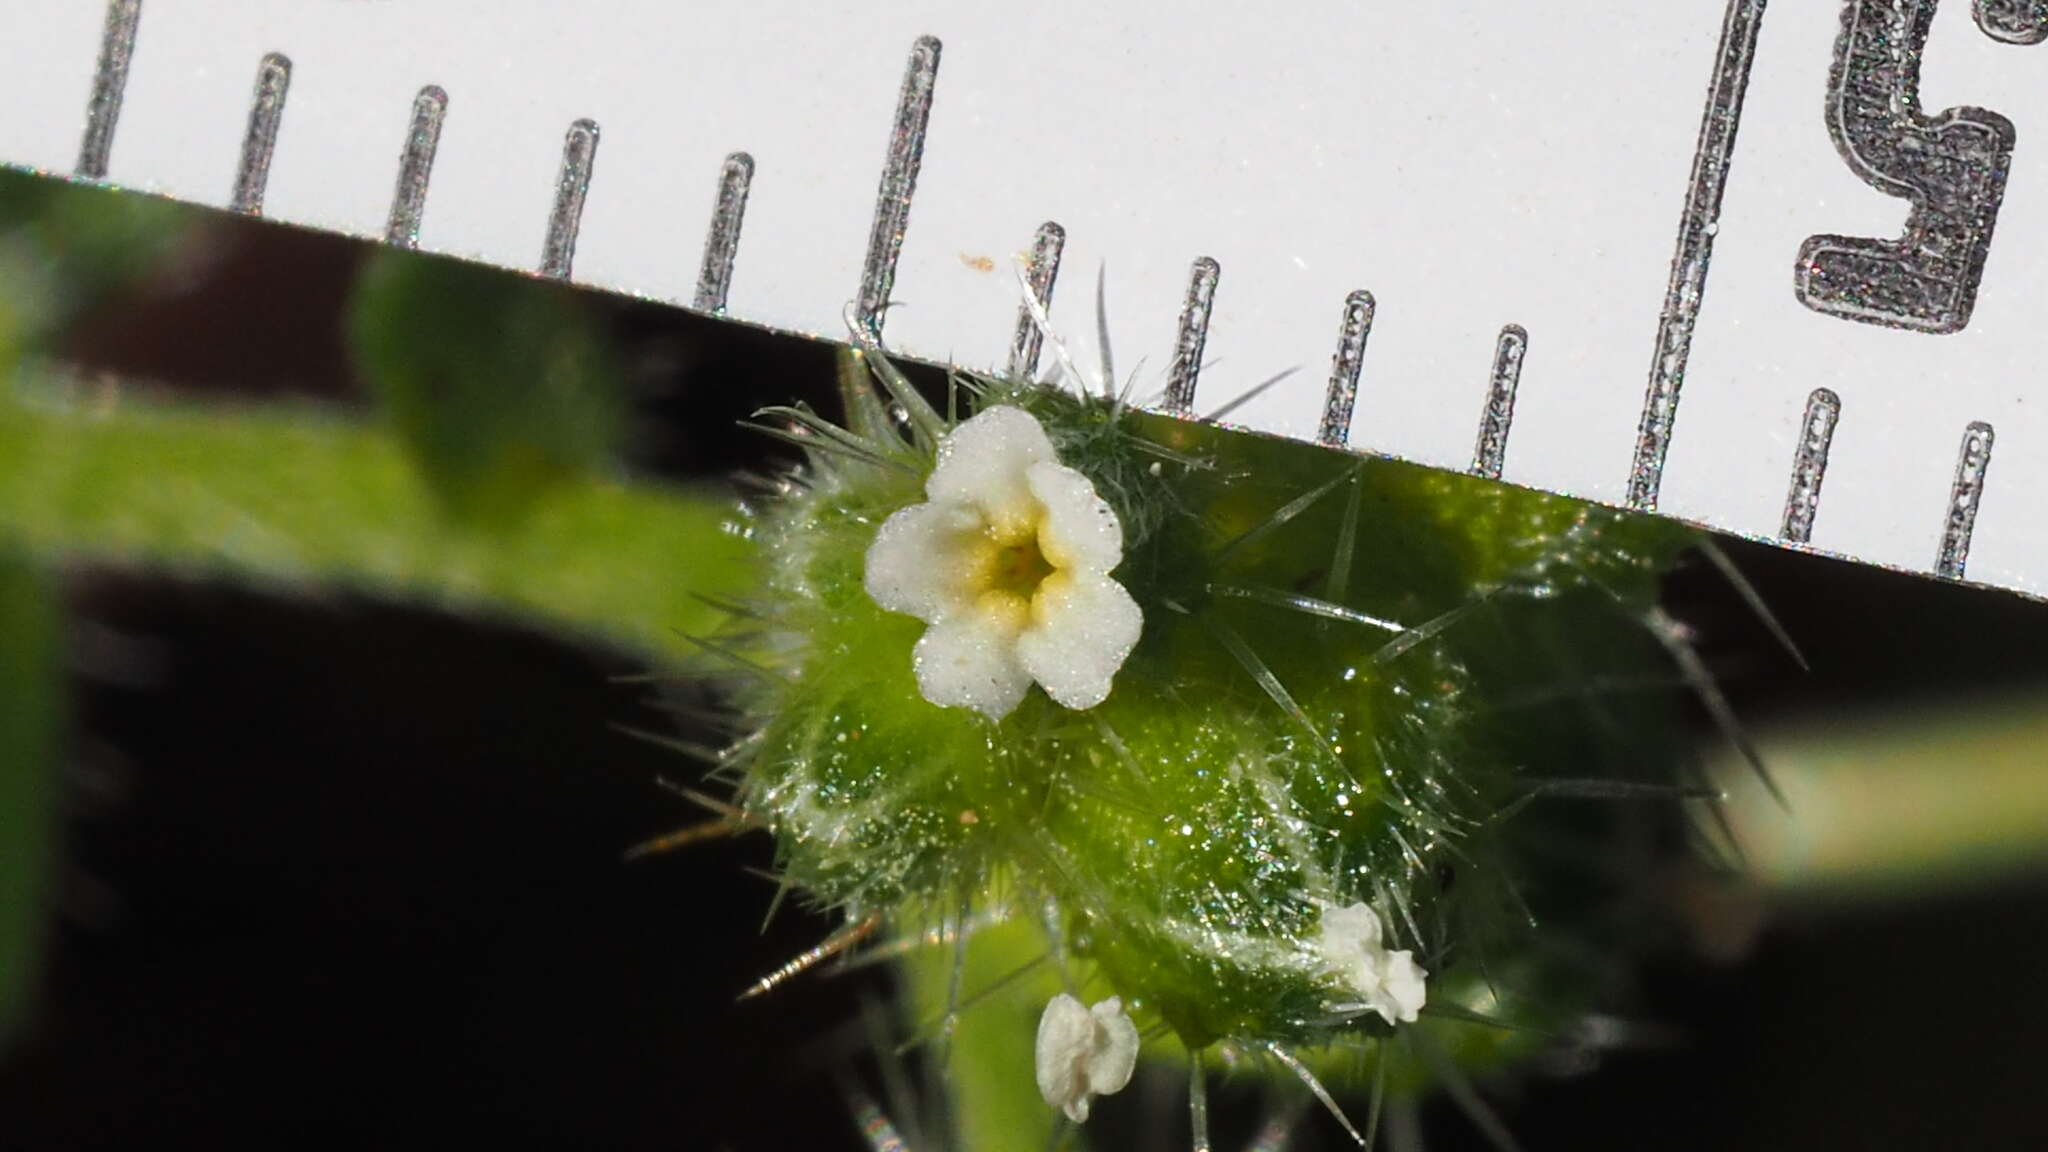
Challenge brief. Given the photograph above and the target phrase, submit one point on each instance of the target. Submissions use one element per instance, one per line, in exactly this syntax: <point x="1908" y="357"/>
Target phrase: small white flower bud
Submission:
<point x="1387" y="981"/>
<point x="1084" y="1053"/>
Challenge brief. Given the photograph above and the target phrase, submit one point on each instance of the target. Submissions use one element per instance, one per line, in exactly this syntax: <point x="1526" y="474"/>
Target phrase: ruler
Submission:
<point x="1502" y="236"/>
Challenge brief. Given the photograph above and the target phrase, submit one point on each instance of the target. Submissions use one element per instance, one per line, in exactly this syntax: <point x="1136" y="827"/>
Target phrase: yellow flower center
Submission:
<point x="1019" y="568"/>
<point x="1009" y="570"/>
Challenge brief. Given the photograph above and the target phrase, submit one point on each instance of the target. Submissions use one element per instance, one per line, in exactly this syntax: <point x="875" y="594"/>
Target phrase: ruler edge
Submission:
<point x="1698" y="224"/>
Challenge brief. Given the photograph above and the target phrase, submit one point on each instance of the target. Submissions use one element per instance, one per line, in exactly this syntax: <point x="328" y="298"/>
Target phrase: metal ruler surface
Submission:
<point x="1499" y="235"/>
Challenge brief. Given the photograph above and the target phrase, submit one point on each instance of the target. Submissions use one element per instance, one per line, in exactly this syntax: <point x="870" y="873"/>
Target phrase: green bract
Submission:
<point x="1354" y="676"/>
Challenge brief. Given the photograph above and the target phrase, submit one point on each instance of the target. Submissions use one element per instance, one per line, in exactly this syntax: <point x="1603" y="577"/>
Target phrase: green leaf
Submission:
<point x="500" y="387"/>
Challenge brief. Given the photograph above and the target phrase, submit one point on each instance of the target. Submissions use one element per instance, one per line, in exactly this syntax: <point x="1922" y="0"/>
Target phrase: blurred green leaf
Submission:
<point x="500" y="386"/>
<point x="65" y="247"/>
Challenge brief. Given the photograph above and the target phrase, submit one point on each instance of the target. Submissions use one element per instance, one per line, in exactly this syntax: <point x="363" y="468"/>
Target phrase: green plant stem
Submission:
<point x="1884" y="805"/>
<point x="300" y="495"/>
<point x="992" y="1082"/>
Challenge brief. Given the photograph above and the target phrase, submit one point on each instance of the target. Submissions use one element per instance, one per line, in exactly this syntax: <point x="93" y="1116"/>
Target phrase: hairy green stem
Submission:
<point x="989" y="1071"/>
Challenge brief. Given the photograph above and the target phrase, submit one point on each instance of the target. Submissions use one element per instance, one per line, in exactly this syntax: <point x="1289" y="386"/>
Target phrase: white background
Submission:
<point x="1471" y="162"/>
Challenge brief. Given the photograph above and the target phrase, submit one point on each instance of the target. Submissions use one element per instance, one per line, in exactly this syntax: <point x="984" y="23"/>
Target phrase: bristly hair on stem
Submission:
<point x="1318" y="714"/>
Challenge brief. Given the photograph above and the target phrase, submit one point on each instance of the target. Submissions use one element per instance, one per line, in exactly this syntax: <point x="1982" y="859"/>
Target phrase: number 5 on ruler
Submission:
<point x="1951" y="167"/>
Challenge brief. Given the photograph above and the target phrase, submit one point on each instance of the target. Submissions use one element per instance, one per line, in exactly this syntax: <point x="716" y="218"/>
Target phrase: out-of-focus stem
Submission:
<point x="989" y="1064"/>
<point x="299" y="496"/>
<point x="1884" y="804"/>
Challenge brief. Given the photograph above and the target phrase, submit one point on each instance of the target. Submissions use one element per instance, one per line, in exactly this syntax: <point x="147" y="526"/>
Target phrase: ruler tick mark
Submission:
<point x="899" y="182"/>
<point x="1972" y="462"/>
<point x="415" y="165"/>
<point x="1186" y="369"/>
<point x="1492" y="448"/>
<point x="1039" y="275"/>
<point x="1345" y="365"/>
<point x="722" y="244"/>
<point x="1696" y="228"/>
<point x="572" y="185"/>
<point x="109" y="81"/>
<point x="259" y="141"/>
<point x="1810" y="464"/>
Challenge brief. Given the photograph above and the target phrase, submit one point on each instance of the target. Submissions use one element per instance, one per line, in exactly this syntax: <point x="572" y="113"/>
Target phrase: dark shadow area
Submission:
<point x="350" y="874"/>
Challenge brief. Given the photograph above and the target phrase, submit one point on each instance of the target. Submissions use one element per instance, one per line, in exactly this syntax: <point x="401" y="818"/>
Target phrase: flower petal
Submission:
<point x="1082" y="627"/>
<point x="1079" y="530"/>
<point x="1347" y="933"/>
<point x="1402" y="992"/>
<point x="969" y="660"/>
<point x="1063" y="1035"/>
<point x="921" y="561"/>
<point x="1389" y="982"/>
<point x="1083" y="1053"/>
<point x="983" y="461"/>
<point x="1116" y="1047"/>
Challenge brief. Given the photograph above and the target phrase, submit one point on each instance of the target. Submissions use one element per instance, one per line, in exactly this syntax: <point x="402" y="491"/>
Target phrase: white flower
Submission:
<point x="1084" y="1053"/>
<point x="1009" y="563"/>
<point x="1388" y="982"/>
